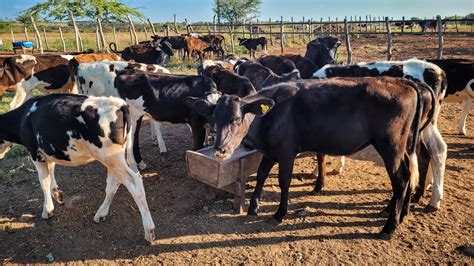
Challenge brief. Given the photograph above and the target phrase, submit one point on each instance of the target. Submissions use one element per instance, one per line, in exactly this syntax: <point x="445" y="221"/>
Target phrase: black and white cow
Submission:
<point x="73" y="130"/>
<point x="162" y="97"/>
<point x="334" y="116"/>
<point x="418" y="70"/>
<point x="460" y="76"/>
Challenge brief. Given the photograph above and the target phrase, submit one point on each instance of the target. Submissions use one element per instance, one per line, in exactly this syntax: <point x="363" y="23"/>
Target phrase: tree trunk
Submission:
<point x="37" y="35"/>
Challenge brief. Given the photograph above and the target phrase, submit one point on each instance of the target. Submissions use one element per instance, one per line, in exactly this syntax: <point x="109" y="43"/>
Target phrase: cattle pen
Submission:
<point x="196" y="223"/>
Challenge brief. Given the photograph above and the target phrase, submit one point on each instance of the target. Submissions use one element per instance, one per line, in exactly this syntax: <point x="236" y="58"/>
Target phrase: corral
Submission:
<point x="340" y="224"/>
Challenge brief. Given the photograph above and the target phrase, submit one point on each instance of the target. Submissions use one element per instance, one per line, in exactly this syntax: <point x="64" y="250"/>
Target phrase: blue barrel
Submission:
<point x="22" y="44"/>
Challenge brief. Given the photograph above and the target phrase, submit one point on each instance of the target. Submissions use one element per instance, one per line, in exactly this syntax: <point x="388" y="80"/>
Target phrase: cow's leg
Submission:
<point x="136" y="144"/>
<point x="423" y="165"/>
<point x="199" y="132"/>
<point x="156" y="127"/>
<point x="44" y="177"/>
<point x="466" y="107"/>
<point x="262" y="174"/>
<point x="340" y="162"/>
<point x="134" y="185"/>
<point x="438" y="151"/>
<point x="285" y="169"/>
<point x="399" y="177"/>
<point x="56" y="193"/>
<point x="321" y="173"/>
<point x="110" y="190"/>
<point x="20" y="95"/>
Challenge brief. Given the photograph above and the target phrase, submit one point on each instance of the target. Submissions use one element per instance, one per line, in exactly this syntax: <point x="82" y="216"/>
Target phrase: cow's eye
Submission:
<point x="237" y="120"/>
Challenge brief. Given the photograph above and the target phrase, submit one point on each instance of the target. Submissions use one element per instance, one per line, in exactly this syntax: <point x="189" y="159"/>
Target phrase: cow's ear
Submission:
<point x="201" y="106"/>
<point x="259" y="107"/>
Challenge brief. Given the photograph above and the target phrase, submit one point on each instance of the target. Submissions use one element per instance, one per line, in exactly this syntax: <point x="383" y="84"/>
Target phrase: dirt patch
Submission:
<point x="339" y="225"/>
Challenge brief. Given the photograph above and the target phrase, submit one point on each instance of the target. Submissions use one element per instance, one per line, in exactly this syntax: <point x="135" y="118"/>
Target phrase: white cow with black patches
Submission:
<point x="72" y="130"/>
<point x="418" y="70"/>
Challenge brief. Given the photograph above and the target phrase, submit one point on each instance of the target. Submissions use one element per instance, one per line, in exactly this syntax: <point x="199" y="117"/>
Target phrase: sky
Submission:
<point x="201" y="10"/>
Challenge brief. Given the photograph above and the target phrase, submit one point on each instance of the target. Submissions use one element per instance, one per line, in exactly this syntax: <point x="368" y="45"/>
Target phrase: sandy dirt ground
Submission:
<point x="340" y="225"/>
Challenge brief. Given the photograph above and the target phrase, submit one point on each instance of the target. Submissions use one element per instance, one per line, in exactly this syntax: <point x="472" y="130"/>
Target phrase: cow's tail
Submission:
<point x="113" y="48"/>
<point x="120" y="129"/>
<point x="415" y="128"/>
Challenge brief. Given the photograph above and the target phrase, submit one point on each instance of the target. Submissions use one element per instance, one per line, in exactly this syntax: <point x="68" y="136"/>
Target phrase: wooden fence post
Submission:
<point x="167" y="30"/>
<point x="251" y="29"/>
<point x="97" y="38"/>
<point x="243" y="29"/>
<point x="403" y="23"/>
<point x="115" y="38"/>
<point x="13" y="36"/>
<point x="214" y="23"/>
<point x="348" y="42"/>
<point x="37" y="35"/>
<point x="456" y="22"/>
<point x="151" y="26"/>
<point x="231" y="33"/>
<point x="132" y="30"/>
<point x="45" y="39"/>
<point x="76" y="31"/>
<point x="271" y="35"/>
<point x="337" y="26"/>
<point x="282" y="35"/>
<point x="101" y="35"/>
<point x="257" y="34"/>
<point x="26" y="35"/>
<point x="440" y="37"/>
<point x="62" y="39"/>
<point x="131" y="35"/>
<point x="175" y="24"/>
<point x="389" y="39"/>
<point x="311" y="29"/>
<point x="292" y="30"/>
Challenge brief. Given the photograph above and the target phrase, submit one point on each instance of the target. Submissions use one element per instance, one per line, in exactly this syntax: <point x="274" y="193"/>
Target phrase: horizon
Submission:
<point x="162" y="11"/>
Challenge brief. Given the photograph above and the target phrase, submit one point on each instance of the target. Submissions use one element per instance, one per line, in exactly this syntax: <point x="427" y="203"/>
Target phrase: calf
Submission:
<point x="336" y="116"/>
<point x="322" y="51"/>
<point x="222" y="64"/>
<point x="303" y="64"/>
<point x="261" y="76"/>
<point x="217" y="41"/>
<point x="460" y="77"/>
<point x="149" y="52"/>
<point x="228" y="82"/>
<point x="429" y="24"/>
<point x="74" y="130"/>
<point x="279" y="65"/>
<point x="198" y="46"/>
<point x="253" y="45"/>
<point x="98" y="79"/>
<point x="418" y="70"/>
<point x="162" y="98"/>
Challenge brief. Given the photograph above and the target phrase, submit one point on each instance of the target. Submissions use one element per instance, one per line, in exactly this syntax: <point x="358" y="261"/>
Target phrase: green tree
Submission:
<point x="58" y="10"/>
<point x="236" y="11"/>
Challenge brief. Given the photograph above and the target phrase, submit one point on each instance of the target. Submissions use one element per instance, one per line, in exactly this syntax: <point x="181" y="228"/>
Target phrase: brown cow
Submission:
<point x="198" y="46"/>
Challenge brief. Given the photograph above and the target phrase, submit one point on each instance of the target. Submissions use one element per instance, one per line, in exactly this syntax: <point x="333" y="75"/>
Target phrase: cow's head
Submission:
<point x="242" y="41"/>
<point x="5" y="147"/>
<point x="232" y="117"/>
<point x="322" y="51"/>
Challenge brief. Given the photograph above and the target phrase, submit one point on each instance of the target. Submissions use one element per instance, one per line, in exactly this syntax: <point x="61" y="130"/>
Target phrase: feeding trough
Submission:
<point x="228" y="175"/>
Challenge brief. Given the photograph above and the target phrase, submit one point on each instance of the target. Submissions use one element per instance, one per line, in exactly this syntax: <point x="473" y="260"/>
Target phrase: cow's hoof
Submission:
<point x="334" y="172"/>
<point x="273" y="221"/>
<point x="163" y="152"/>
<point x="142" y="165"/>
<point x="47" y="215"/>
<point x="384" y="236"/>
<point x="150" y="235"/>
<point x="252" y="212"/>
<point x="59" y="196"/>
<point x="98" y="219"/>
<point x="430" y="209"/>
<point x="385" y="213"/>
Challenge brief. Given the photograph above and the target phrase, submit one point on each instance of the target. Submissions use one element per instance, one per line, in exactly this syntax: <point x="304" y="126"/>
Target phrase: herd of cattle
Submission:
<point x="280" y="105"/>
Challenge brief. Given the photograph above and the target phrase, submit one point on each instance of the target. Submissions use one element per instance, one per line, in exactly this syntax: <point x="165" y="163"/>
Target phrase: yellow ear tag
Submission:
<point x="264" y="108"/>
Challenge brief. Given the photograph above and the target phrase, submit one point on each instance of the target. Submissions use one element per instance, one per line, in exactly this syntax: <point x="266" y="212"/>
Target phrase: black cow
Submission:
<point x="73" y="130"/>
<point x="303" y="64"/>
<point x="322" y="51"/>
<point x="261" y="76"/>
<point x="335" y="116"/>
<point x="429" y="24"/>
<point x="421" y="71"/>
<point x="155" y="51"/>
<point x="460" y="76"/>
<point x="162" y="98"/>
<point x="279" y="65"/>
<point x="228" y="82"/>
<point x="253" y="45"/>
